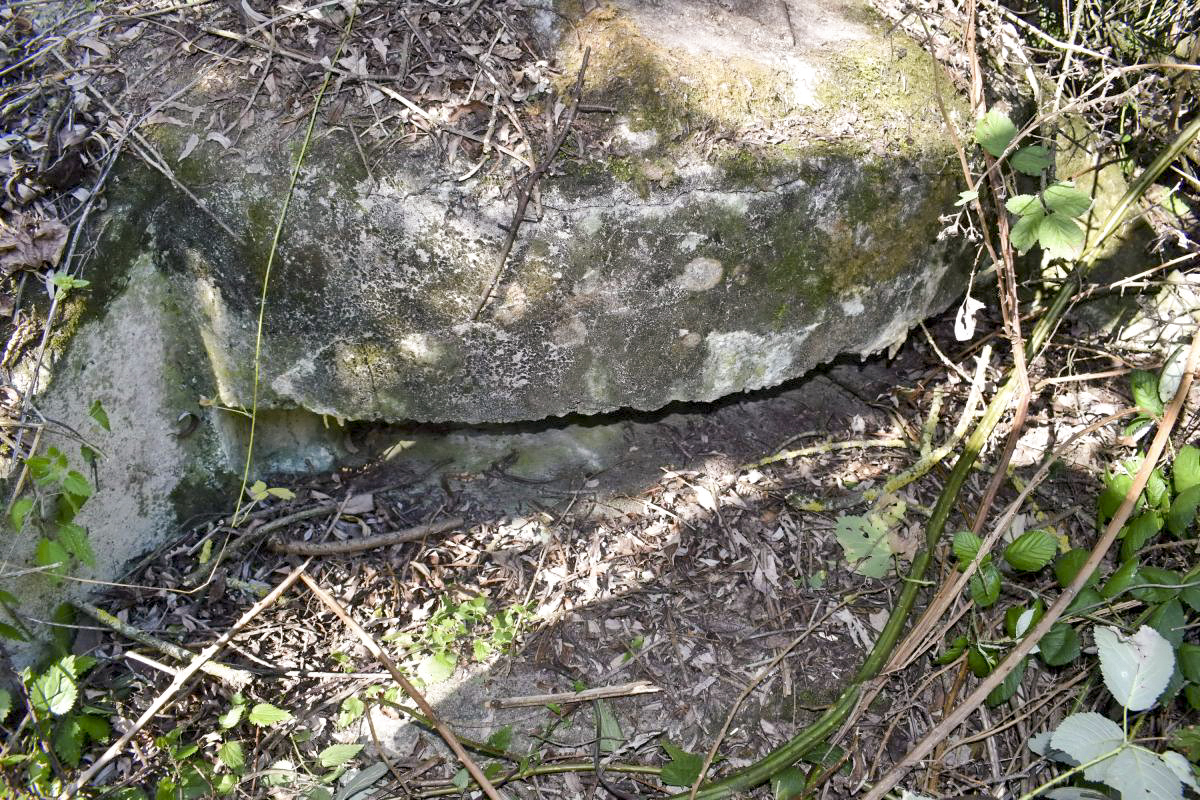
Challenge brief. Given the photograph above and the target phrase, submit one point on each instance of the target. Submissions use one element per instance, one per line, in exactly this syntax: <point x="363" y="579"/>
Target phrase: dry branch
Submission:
<point x="367" y="542"/>
<point x="587" y="695"/>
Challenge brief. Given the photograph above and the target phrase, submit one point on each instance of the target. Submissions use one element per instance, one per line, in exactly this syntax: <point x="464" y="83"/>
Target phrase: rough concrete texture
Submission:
<point x="762" y="207"/>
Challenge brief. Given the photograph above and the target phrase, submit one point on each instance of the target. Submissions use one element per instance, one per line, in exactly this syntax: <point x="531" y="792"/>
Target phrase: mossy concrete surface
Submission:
<point x="754" y="206"/>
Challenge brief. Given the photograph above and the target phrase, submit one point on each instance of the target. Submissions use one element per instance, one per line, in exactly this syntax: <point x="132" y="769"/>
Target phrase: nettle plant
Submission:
<point x="1145" y="659"/>
<point x="1048" y="218"/>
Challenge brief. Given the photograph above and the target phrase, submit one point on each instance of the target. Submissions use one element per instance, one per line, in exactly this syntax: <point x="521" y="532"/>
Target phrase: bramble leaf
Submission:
<point x="994" y="131"/>
<point x="1031" y="160"/>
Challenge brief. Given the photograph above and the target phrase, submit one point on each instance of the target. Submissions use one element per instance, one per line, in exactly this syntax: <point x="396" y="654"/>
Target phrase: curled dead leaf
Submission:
<point x="30" y="243"/>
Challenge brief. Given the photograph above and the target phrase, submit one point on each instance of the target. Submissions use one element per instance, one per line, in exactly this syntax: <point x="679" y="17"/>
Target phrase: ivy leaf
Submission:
<point x="1024" y="234"/>
<point x="1031" y="160"/>
<point x="338" y="754"/>
<point x="1031" y="551"/>
<point x="865" y="542"/>
<point x="1060" y="236"/>
<point x="1024" y="205"/>
<point x="1144" y="386"/>
<point x="683" y="768"/>
<point x="96" y="727"/>
<point x="265" y="715"/>
<point x="1059" y="646"/>
<point x="1066" y="199"/>
<point x="232" y="755"/>
<point x="985" y="585"/>
<point x="994" y="131"/>
<point x="1185" y="471"/>
<point x="1086" y="737"/>
<point x="98" y="413"/>
<point x="1136" y="668"/>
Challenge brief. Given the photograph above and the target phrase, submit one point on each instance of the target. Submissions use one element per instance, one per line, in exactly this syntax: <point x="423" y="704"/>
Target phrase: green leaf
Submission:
<point x="257" y="490"/>
<point x="1169" y="621"/>
<point x="352" y="708"/>
<point x="1066" y="199"/>
<point x="20" y="512"/>
<point x="865" y="542"/>
<point x="966" y="546"/>
<point x="955" y="650"/>
<point x="231" y="717"/>
<point x="98" y="413"/>
<point x="1067" y="566"/>
<point x="5" y="703"/>
<point x="66" y="282"/>
<point x="1059" y="646"/>
<point x="1086" y="737"/>
<point x="985" y="585"/>
<point x="1172" y="374"/>
<point x="74" y="540"/>
<point x="1031" y="160"/>
<point x="49" y="552"/>
<point x="1163" y="585"/>
<point x="610" y="729"/>
<point x="1024" y="234"/>
<point x="1138" y="772"/>
<point x="1144" y="386"/>
<point x="1008" y="687"/>
<point x="68" y="741"/>
<point x="502" y="738"/>
<point x="1060" y="236"/>
<point x="1183" y="511"/>
<point x="994" y="131"/>
<point x="787" y="784"/>
<point x="1190" y="593"/>
<point x="683" y="768"/>
<point x="1031" y="551"/>
<point x="338" y="754"/>
<point x="265" y="715"/>
<point x="1187" y="741"/>
<point x="76" y="484"/>
<point x="1119" y="582"/>
<point x="9" y="632"/>
<point x="1185" y="471"/>
<point x="980" y="662"/>
<point x="231" y="755"/>
<point x="1024" y="205"/>
<point x="461" y="780"/>
<point x="1182" y="769"/>
<point x="1189" y="661"/>
<point x="436" y="667"/>
<point x="967" y="197"/>
<point x="1136" y="668"/>
<point x="96" y="727"/>
<point x="54" y="690"/>
<point x="1138" y="531"/>
<point x="1086" y="601"/>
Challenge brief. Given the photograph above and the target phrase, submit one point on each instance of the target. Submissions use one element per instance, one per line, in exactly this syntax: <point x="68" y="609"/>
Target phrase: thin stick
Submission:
<point x="587" y="695"/>
<point x="367" y="542"/>
<point x="527" y="188"/>
<point x="201" y="574"/>
<point x="169" y="693"/>
<point x="821" y="449"/>
<point x="418" y="698"/>
<point x="1022" y="649"/>
<point x="237" y="678"/>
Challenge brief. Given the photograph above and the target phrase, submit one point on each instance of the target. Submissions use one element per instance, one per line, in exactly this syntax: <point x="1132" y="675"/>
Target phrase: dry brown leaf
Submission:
<point x="31" y="243"/>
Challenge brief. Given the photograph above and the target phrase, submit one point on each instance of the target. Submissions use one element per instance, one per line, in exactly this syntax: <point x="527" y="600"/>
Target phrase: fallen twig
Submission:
<point x="587" y="695"/>
<point x="237" y="678"/>
<point x="367" y="542"/>
<point x="418" y="698"/>
<point x="233" y="547"/>
<point x="165" y="697"/>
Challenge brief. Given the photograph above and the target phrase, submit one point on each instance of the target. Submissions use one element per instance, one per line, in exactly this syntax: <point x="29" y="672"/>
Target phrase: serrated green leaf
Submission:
<point x="1185" y="470"/>
<point x="1144" y="387"/>
<point x="1119" y="582"/>
<point x="994" y="131"/>
<point x="1187" y="741"/>
<point x="1066" y="199"/>
<point x="1060" y="236"/>
<point x="20" y="512"/>
<point x="74" y="539"/>
<point x="1086" y="737"/>
<point x="501" y="738"/>
<point x="1183" y="511"/>
<point x="1031" y="551"/>
<point x="231" y="717"/>
<point x="788" y="784"/>
<point x="68" y="741"/>
<point x="1067" y="566"/>
<point x="352" y="708"/>
<point x="436" y="667"/>
<point x="968" y="196"/>
<point x="952" y="652"/>
<point x="1169" y="621"/>
<point x="984" y="585"/>
<point x="1138" y="772"/>
<point x="865" y="542"/>
<point x="231" y="755"/>
<point x="1024" y="204"/>
<point x="1008" y="687"/>
<point x="461" y="780"/>
<point x="683" y="767"/>
<point x="1031" y="160"/>
<point x="76" y="484"/>
<point x="337" y="754"/>
<point x="49" y="552"/>
<point x="1138" y="531"/>
<point x="965" y="546"/>
<point x="265" y="715"/>
<point x="1024" y="234"/>
<point x="1059" y="646"/>
<point x="54" y="690"/>
<point x="1136" y="668"/>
